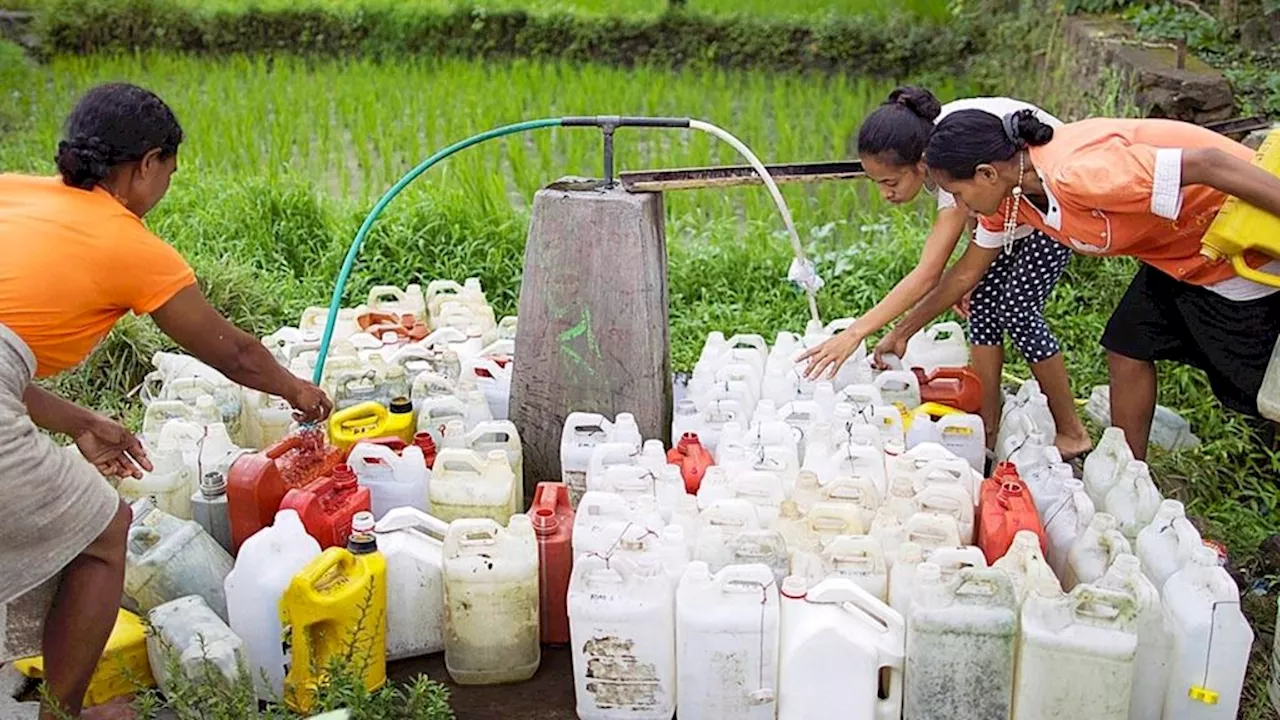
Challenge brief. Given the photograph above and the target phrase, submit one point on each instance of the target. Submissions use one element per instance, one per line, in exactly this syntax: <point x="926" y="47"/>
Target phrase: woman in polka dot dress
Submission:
<point x="1011" y="296"/>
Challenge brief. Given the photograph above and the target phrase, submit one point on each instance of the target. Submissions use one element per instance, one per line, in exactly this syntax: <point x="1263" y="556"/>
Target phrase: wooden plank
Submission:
<point x="734" y="175"/>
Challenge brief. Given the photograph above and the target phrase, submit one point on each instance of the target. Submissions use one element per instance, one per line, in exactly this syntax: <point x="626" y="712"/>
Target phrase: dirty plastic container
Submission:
<point x="553" y="517"/>
<point x="1027" y="411"/>
<point x="491" y="601"/>
<point x="955" y="388"/>
<point x="965" y="435"/>
<point x="902" y="576"/>
<point x="168" y="558"/>
<point x="1006" y="508"/>
<point x="1099" y="546"/>
<point x="411" y="541"/>
<point x="1134" y="499"/>
<point x="857" y="492"/>
<point x="727" y="642"/>
<point x="1165" y="546"/>
<point x="169" y="485"/>
<point x="265" y="420"/>
<point x="336" y="607"/>
<point x="393" y="480"/>
<point x="720" y="549"/>
<point x="489" y="435"/>
<point x="257" y="483"/>
<point x="1077" y="651"/>
<point x="466" y="484"/>
<point x="264" y="568"/>
<point x="209" y="508"/>
<point x="693" y="459"/>
<point x="856" y="557"/>
<point x="899" y="388"/>
<point x="392" y="300"/>
<point x="601" y="518"/>
<point x="1065" y="522"/>
<point x="623" y="636"/>
<point x="1025" y="565"/>
<point x="949" y="499"/>
<point x="941" y="345"/>
<point x="582" y="433"/>
<point x="122" y="670"/>
<point x="1155" y="646"/>
<point x="1211" y="641"/>
<point x="961" y="646"/>
<point x="188" y="631"/>
<point x="328" y="505"/>
<point x="1102" y="467"/>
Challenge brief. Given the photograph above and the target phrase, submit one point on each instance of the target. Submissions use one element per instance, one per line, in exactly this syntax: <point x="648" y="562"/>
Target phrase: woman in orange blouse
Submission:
<point x="1147" y="189"/>
<point x="77" y="258"/>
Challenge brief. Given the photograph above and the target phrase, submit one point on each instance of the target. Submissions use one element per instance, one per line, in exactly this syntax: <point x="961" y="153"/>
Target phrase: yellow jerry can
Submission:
<point x="1240" y="226"/>
<point x="123" y="669"/>
<point x="370" y="420"/>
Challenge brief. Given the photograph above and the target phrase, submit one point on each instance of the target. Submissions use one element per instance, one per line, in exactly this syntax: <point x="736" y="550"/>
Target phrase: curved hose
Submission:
<point x="335" y="302"/>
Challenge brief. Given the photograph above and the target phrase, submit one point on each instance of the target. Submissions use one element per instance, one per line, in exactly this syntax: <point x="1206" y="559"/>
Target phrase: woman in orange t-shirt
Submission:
<point x="77" y="258"/>
<point x="1146" y="189"/>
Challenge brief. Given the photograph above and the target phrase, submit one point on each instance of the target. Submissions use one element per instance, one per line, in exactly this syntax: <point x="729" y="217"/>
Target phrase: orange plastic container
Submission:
<point x="1005" y="508"/>
<point x="327" y="505"/>
<point x="258" y="482"/>
<point x="552" y="517"/>
<point x="957" y="387"/>
<point x="406" y="327"/>
<point x="693" y="460"/>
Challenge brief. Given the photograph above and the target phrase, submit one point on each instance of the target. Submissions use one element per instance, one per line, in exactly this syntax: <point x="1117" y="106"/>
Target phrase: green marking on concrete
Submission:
<point x="568" y="336"/>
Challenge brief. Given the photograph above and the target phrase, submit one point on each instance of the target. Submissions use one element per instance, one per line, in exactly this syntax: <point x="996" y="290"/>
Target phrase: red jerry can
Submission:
<point x="1005" y="509"/>
<point x="257" y="482"/>
<point x="552" y="516"/>
<point x="327" y="505"/>
<point x="957" y="387"/>
<point x="693" y="460"/>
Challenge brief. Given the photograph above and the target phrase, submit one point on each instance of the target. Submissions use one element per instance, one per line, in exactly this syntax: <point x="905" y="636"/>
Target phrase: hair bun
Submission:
<point x="919" y="101"/>
<point x="1023" y="129"/>
<point x="84" y="161"/>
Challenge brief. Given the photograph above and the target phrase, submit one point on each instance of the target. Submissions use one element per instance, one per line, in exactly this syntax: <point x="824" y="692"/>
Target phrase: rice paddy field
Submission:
<point x="285" y="155"/>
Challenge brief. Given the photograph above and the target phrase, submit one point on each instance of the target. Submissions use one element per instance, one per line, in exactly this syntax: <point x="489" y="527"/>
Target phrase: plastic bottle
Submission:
<point x="491" y="601"/>
<point x="955" y="388"/>
<point x="266" y="564"/>
<point x="257" y="483"/>
<point x="1102" y="466"/>
<point x="720" y="549"/>
<point x="941" y="345"/>
<point x="961" y="645"/>
<point x="203" y="646"/>
<point x="553" y="517"/>
<point x="465" y="484"/>
<point x="1077" y="651"/>
<point x="336" y="608"/>
<point x="168" y="558"/>
<point x="856" y="557"/>
<point x="727" y="654"/>
<point x="411" y="542"/>
<point x="1211" y="641"/>
<point x="394" y="480"/>
<point x="1101" y="543"/>
<point x="622" y="617"/>
<point x="1151" y="665"/>
<point x="899" y="387"/>
<point x="693" y="460"/>
<point x="1134" y="499"/>
<point x="1165" y="546"/>
<point x="169" y="484"/>
<point x="1006" y="508"/>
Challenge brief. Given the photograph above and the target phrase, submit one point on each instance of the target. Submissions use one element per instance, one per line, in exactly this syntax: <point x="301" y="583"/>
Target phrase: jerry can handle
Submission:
<point x="328" y="560"/>
<point x="1243" y="270"/>
<point x="293" y="442"/>
<point x="363" y="415"/>
<point x="551" y="496"/>
<point x="407" y="518"/>
<point x="1085" y="598"/>
<point x="363" y="452"/>
<point x="380" y="292"/>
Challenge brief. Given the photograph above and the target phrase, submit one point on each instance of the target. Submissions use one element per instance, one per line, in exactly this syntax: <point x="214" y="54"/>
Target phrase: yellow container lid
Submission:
<point x="123" y="669"/>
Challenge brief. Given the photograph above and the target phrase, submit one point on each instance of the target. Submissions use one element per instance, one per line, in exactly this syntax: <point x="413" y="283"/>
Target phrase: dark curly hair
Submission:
<point x="113" y="124"/>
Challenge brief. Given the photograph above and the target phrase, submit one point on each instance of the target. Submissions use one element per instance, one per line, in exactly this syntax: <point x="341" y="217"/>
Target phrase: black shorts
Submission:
<point x="1160" y="318"/>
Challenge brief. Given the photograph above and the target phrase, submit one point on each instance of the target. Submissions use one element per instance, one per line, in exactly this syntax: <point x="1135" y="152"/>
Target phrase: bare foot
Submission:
<point x="120" y="708"/>
<point x="1072" y="447"/>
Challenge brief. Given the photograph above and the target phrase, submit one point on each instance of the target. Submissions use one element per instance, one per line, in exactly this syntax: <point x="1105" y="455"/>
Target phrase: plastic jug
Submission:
<point x="891" y="532"/>
<point x="693" y="459"/>
<point x="1102" y="466"/>
<point x="1027" y="410"/>
<point x="169" y="558"/>
<point x="491" y="601"/>
<point x="1240" y="227"/>
<point x="938" y="346"/>
<point x="553" y="518"/>
<point x="824" y="522"/>
<point x="435" y="414"/>
<point x="1165" y="546"/>
<point x="411" y="542"/>
<point x="265" y="420"/>
<point x="371" y="420"/>
<point x="205" y="448"/>
<point x="856" y="557"/>
<point x="441" y="291"/>
<point x="582" y="432"/>
<point x="336" y="607"/>
<point x="494" y="381"/>
<point x="1211" y="641"/>
<point x="841" y="654"/>
<point x="900" y="388"/>
<point x="857" y="492"/>
<point x="393" y="480"/>
<point x="169" y="485"/>
<point x="1077" y="652"/>
<point x="1065" y="523"/>
<point x="465" y="484"/>
<point x="861" y="460"/>
<point x="902" y="576"/>
<point x="122" y="670"/>
<point x="727" y="651"/>
<point x="1006" y="508"/>
<point x="488" y="435"/>
<point x="965" y="435"/>
<point x="257" y="483"/>
<point x="188" y="631"/>
<point x="720" y="549"/>
<point x="601" y="518"/>
<point x="1099" y="546"/>
<point x="953" y="387"/>
<point x="961" y="645"/>
<point x="315" y="319"/>
<point x="1134" y="499"/>
<point x="393" y="300"/>
<point x="265" y="566"/>
<point x="1155" y="646"/>
<point x="686" y="419"/>
<point x="953" y="500"/>
<point x="622" y="625"/>
<point x="1024" y="563"/>
<point x="928" y="464"/>
<point x="328" y="505"/>
<point x="209" y="508"/>
<point x="929" y="530"/>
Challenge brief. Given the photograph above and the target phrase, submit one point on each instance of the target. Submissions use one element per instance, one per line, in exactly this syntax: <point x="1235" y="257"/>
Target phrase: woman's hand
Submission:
<point x="962" y="307"/>
<point x="894" y="343"/>
<point x="112" y="449"/>
<point x="309" y="402"/>
<point x="830" y="355"/>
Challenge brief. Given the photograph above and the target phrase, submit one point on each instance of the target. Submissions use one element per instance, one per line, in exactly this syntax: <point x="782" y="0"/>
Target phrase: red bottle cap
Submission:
<point x="545" y="521"/>
<point x="343" y="477"/>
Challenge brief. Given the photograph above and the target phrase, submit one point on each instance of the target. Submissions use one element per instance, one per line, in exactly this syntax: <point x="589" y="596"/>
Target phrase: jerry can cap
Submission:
<point x="401" y="405"/>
